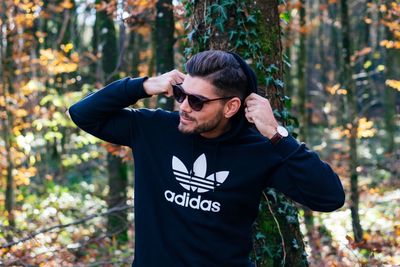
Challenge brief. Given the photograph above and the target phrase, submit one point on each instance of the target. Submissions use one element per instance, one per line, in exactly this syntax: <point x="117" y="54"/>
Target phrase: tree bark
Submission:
<point x="117" y="170"/>
<point x="164" y="45"/>
<point x="352" y="119"/>
<point x="389" y="98"/>
<point x="6" y="117"/>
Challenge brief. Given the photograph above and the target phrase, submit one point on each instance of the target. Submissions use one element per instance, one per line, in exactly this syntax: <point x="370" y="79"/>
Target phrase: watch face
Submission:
<point x="282" y="131"/>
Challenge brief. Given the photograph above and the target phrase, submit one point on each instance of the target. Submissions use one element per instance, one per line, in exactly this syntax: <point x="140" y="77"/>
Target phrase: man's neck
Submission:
<point x="217" y="132"/>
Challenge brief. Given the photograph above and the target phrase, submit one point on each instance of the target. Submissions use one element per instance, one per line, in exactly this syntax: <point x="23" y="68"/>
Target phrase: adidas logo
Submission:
<point x="195" y="180"/>
<point x="197" y="203"/>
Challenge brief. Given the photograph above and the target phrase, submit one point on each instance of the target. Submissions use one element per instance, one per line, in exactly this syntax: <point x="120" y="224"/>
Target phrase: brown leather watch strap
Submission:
<point x="276" y="138"/>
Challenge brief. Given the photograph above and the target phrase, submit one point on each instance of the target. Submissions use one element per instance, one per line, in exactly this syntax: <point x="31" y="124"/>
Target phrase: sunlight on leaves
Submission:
<point x="394" y="84"/>
<point x="57" y="62"/>
<point x="365" y="128"/>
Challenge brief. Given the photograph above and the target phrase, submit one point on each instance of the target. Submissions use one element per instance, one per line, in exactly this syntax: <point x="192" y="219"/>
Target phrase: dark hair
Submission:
<point x="221" y="69"/>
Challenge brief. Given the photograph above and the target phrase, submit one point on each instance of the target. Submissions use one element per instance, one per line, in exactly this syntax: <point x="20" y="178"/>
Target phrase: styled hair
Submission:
<point x="221" y="69"/>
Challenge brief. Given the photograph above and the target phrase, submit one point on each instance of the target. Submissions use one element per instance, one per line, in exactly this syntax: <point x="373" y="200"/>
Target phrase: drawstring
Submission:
<point x="192" y="162"/>
<point x="216" y="166"/>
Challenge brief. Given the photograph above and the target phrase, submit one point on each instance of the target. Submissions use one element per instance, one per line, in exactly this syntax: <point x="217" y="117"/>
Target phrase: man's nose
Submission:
<point x="185" y="106"/>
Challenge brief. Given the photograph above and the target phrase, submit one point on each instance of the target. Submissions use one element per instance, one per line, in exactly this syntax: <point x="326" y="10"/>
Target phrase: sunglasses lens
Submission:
<point x="179" y="94"/>
<point x="195" y="102"/>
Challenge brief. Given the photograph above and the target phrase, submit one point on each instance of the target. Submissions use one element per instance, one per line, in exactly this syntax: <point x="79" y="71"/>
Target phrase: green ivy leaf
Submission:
<point x="260" y="235"/>
<point x="285" y="16"/>
<point x="278" y="83"/>
<point x="269" y="80"/>
<point x="295" y="244"/>
<point x="252" y="19"/>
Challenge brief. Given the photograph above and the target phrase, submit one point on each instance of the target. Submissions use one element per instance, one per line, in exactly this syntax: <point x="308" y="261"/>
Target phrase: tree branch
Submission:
<point x="60" y="226"/>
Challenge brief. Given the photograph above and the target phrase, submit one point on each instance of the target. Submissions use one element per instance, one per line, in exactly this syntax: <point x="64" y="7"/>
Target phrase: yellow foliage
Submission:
<point x="21" y="113"/>
<point x="365" y="128"/>
<point x="23" y="175"/>
<point x="336" y="90"/>
<point x="57" y="62"/>
<point x="67" y="47"/>
<point x="67" y="4"/>
<point x="32" y="86"/>
<point x="390" y="44"/>
<point x="20" y="197"/>
<point x="394" y="84"/>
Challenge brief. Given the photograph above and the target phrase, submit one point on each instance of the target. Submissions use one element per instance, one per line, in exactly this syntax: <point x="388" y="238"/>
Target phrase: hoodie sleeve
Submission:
<point x="306" y="179"/>
<point x="104" y="113"/>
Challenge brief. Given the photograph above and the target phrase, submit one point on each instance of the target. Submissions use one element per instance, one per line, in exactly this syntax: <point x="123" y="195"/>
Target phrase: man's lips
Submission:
<point x="184" y="119"/>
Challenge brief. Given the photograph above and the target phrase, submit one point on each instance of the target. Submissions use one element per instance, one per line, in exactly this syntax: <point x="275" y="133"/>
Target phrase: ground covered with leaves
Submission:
<point x="78" y="236"/>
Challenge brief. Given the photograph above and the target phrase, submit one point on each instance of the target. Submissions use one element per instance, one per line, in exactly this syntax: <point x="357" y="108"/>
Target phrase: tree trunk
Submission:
<point x="6" y="117"/>
<point x="301" y="75"/>
<point x="117" y="224"/>
<point x="393" y="57"/>
<point x="351" y="119"/>
<point x="117" y="169"/>
<point x="253" y="30"/>
<point x="164" y="45"/>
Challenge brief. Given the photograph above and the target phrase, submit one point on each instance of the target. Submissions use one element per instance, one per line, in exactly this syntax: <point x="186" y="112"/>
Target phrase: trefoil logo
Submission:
<point x="195" y="181"/>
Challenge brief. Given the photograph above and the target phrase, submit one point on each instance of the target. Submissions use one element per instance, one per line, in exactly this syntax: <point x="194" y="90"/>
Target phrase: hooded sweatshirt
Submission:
<point x="197" y="198"/>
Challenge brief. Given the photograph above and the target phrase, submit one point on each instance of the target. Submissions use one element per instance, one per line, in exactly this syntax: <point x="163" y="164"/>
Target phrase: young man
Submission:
<point x="200" y="172"/>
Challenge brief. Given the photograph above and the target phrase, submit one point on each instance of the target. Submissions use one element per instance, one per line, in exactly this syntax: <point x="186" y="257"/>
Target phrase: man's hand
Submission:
<point x="163" y="84"/>
<point x="258" y="111"/>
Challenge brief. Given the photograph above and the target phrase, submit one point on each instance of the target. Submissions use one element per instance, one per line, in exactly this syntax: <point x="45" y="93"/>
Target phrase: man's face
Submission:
<point x="209" y="121"/>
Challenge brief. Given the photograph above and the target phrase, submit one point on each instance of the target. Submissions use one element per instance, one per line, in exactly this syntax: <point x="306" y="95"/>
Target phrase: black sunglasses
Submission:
<point x="196" y="102"/>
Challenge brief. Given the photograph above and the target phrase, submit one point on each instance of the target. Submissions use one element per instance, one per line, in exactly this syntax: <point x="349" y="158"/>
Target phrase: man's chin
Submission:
<point x="185" y="130"/>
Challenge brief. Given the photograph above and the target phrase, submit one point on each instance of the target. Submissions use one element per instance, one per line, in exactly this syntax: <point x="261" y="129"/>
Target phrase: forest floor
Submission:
<point x="86" y="244"/>
<point x="332" y="243"/>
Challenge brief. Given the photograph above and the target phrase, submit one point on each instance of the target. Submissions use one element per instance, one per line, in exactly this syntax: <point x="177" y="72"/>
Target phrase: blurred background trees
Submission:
<point x="70" y="195"/>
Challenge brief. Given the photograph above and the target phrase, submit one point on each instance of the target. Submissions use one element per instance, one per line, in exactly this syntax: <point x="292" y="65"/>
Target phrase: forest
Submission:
<point x="329" y="68"/>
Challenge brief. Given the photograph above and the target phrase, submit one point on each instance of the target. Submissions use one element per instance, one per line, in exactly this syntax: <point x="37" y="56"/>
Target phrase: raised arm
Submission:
<point x="104" y="113"/>
<point x="306" y="179"/>
<point x="300" y="174"/>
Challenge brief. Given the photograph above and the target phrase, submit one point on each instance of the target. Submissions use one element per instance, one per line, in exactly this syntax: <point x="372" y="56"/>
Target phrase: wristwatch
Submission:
<point x="281" y="132"/>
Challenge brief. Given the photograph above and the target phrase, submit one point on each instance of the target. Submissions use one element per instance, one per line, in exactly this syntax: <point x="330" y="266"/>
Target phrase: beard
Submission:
<point x="197" y="128"/>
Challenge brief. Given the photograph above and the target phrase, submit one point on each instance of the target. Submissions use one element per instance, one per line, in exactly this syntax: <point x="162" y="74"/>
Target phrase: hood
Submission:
<point x="239" y="121"/>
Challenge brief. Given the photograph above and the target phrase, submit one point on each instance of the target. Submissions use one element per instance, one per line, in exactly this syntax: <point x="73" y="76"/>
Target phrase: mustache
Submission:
<point x="185" y="115"/>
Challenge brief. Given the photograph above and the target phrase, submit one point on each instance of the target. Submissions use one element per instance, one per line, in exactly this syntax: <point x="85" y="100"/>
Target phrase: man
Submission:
<point x="200" y="172"/>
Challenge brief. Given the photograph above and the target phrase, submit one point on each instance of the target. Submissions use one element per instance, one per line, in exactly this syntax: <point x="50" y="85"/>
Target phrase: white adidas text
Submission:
<point x="194" y="203"/>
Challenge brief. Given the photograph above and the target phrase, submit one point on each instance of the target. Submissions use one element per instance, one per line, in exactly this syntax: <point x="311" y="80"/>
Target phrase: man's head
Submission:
<point x="221" y="69"/>
<point x="212" y="75"/>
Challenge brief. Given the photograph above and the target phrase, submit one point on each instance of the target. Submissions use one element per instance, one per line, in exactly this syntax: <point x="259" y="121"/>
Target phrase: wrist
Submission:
<point x="146" y="86"/>
<point x="270" y="131"/>
<point x="281" y="132"/>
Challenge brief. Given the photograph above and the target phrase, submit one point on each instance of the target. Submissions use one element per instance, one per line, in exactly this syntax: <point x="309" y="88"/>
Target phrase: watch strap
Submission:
<point x="276" y="138"/>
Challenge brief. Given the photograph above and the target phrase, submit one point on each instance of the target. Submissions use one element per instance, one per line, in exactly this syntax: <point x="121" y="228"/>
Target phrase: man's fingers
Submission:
<point x="179" y="76"/>
<point x="248" y="117"/>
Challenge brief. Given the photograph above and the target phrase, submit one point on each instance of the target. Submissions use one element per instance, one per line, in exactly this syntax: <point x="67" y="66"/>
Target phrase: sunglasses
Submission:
<point x="196" y="102"/>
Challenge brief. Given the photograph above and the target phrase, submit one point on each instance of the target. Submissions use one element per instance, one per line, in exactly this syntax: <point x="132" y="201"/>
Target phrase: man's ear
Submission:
<point x="232" y="107"/>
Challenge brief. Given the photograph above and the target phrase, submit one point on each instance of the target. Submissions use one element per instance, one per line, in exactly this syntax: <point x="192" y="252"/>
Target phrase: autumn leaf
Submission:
<point x="394" y="84"/>
<point x="67" y="4"/>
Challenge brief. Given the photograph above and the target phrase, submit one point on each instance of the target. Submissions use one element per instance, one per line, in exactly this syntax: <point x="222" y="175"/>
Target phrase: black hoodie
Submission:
<point x="197" y="198"/>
